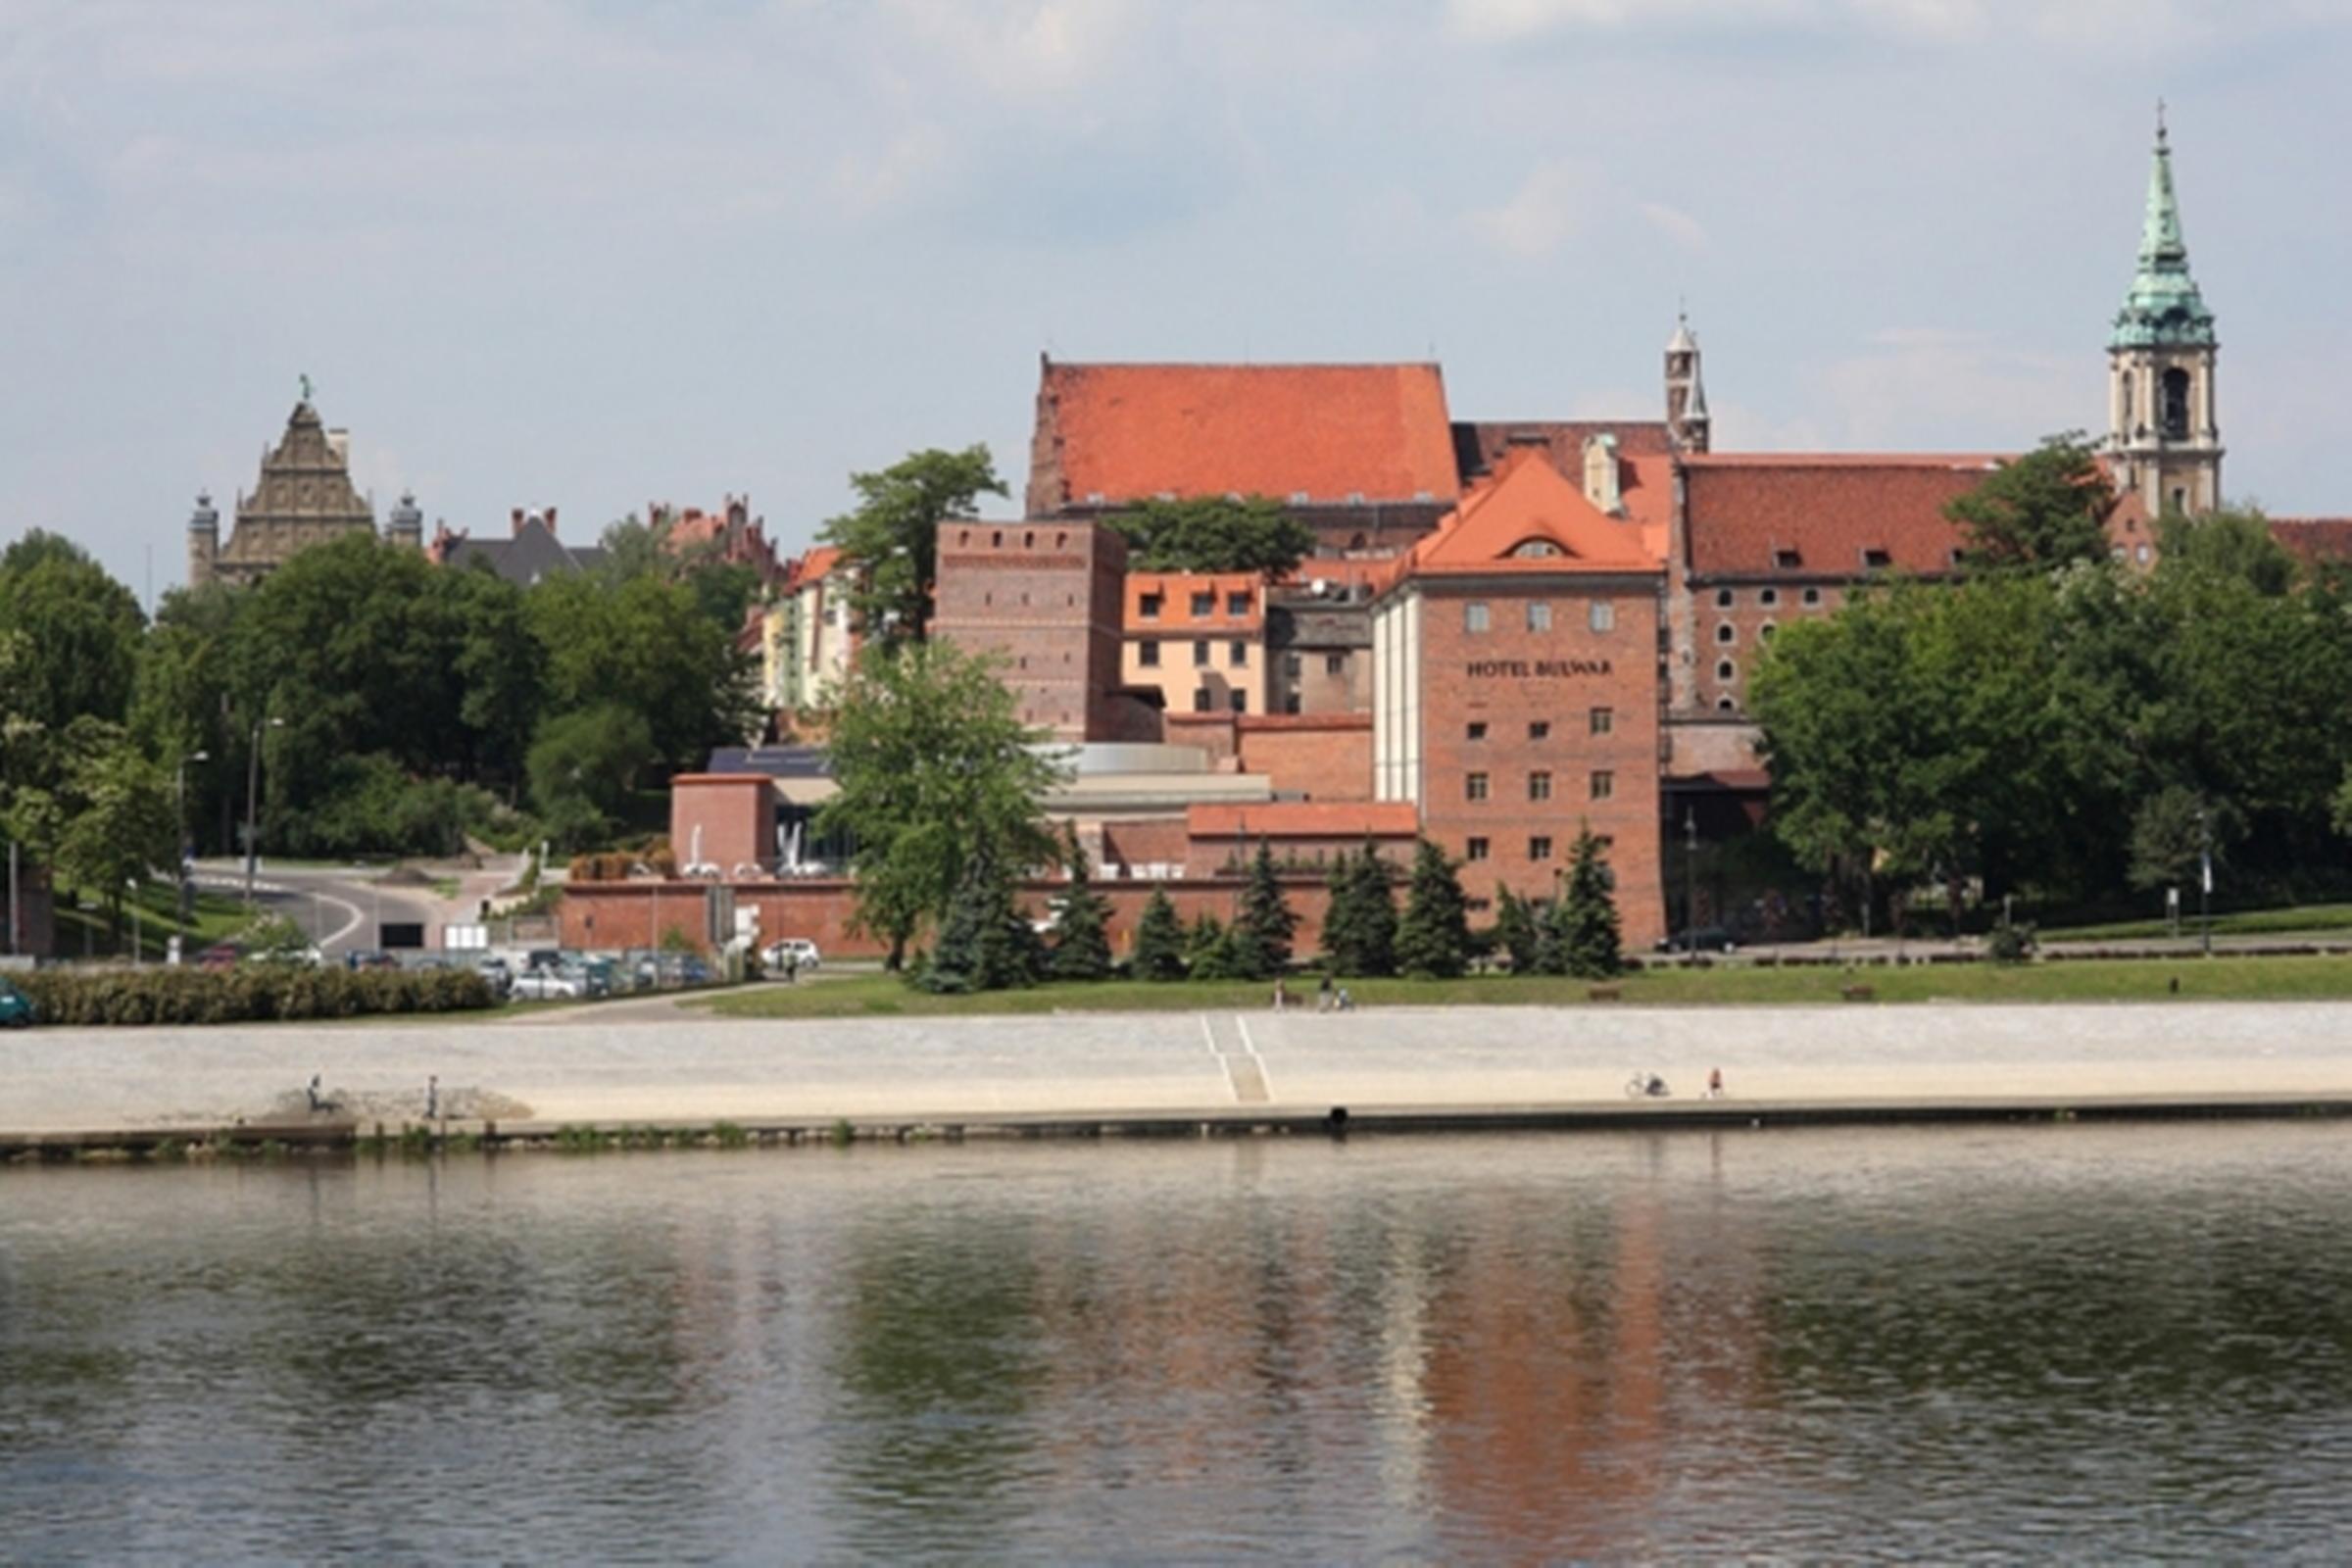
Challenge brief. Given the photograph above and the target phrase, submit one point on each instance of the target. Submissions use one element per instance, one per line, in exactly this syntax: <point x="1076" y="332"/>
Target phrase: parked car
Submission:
<point x="16" y="1011"/>
<point x="369" y="959"/>
<point x="1706" y="939"/>
<point x="219" y="955"/>
<point x="550" y="985"/>
<point x="494" y="969"/>
<point x="794" y="951"/>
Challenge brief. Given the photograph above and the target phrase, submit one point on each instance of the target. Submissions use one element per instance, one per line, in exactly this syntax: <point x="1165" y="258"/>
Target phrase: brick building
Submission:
<point x="1198" y="639"/>
<point x="1044" y="597"/>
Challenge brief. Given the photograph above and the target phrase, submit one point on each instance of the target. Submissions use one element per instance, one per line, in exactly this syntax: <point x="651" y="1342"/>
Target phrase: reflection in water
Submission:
<point x="2071" y="1339"/>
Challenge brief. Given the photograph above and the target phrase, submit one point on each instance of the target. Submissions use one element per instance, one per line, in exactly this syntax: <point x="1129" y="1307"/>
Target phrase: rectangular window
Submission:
<point x="1146" y="608"/>
<point x="1475" y="850"/>
<point x="1238" y="604"/>
<point x="1538" y="847"/>
<point x="1538" y="786"/>
<point x="1603" y="615"/>
<point x="1335" y="663"/>
<point x="1474" y="615"/>
<point x="1147" y="654"/>
<point x="1474" y="786"/>
<point x="1201" y="700"/>
<point x="1539" y="615"/>
<point x="1205" y="604"/>
<point x="1539" y="729"/>
<point x="1289" y="701"/>
<point x="1236" y="655"/>
<point x="1200" y="654"/>
<point x="1290" y="665"/>
<point x="1477" y="729"/>
<point x="1239" y="700"/>
<point x="1605" y="785"/>
<point x="1604" y="720"/>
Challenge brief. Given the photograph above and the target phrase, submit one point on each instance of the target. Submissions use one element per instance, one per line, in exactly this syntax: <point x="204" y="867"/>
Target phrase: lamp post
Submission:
<point x="1690" y="881"/>
<point x="253" y="791"/>
<point x="2205" y="881"/>
<point x="181" y="807"/>
<point x="138" y="942"/>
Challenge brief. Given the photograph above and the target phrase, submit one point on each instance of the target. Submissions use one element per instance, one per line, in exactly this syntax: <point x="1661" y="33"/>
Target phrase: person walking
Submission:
<point x="1282" y="994"/>
<point x="1715" y="1083"/>
<point x="432" y="1097"/>
<point x="1323" y="993"/>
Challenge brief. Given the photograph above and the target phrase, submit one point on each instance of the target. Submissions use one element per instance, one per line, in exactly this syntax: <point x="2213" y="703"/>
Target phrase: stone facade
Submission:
<point x="303" y="497"/>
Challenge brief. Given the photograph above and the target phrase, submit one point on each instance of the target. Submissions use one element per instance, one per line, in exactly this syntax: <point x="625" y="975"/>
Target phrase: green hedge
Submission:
<point x="247" y="993"/>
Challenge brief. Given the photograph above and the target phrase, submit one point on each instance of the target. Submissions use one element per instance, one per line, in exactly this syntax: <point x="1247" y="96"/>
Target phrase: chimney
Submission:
<point x="1601" y="474"/>
<point x="516" y="517"/>
<point x="551" y="520"/>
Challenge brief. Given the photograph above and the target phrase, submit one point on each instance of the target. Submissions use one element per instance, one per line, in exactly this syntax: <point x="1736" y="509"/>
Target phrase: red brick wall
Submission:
<point x="735" y="812"/>
<point x="608" y="915"/>
<point x="1044" y="597"/>
<point x="1214" y="733"/>
<point x="1157" y="841"/>
<point x="1491" y="677"/>
<point x="1755" y="613"/>
<point x="1324" y="759"/>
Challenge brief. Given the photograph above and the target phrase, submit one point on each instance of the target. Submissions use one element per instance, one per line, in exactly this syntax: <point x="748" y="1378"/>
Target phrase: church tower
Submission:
<point x="1686" y="392"/>
<point x="2164" y="437"/>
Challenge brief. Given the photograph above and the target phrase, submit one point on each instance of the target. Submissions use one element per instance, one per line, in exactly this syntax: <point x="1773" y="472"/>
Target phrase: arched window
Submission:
<point x="2176" y="403"/>
<point x="1726" y="671"/>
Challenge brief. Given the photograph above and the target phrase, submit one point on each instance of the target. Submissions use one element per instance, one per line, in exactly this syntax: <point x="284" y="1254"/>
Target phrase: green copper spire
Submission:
<point x="2163" y="310"/>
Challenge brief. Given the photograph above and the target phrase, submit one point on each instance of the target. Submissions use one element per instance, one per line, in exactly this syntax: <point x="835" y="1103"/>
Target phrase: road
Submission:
<point x="341" y="908"/>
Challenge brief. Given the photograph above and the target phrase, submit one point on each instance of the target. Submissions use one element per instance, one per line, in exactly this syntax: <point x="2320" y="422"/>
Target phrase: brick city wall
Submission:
<point x="1044" y="597"/>
<point x="1322" y="758"/>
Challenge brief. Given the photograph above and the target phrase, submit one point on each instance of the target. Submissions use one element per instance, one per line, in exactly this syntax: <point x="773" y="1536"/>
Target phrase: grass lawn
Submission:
<point x="2096" y="980"/>
<point x="215" y="916"/>
<point x="2302" y="919"/>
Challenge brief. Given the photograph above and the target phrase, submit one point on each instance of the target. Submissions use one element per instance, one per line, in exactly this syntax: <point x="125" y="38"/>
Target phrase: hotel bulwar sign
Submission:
<point x="1535" y="668"/>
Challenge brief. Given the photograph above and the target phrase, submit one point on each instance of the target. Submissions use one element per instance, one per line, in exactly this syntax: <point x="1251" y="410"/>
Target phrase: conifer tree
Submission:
<point x="1589" y="936"/>
<point x="1159" y="939"/>
<point x="1515" y="931"/>
<point x="1432" y="936"/>
<point x="984" y="944"/>
<point x="1082" y="935"/>
<point x="1262" y="931"/>
<point x="1210" y="953"/>
<point x="1360" y="929"/>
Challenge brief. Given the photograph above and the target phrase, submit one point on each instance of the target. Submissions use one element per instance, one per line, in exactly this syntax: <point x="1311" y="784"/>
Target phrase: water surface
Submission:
<point x="2070" y="1341"/>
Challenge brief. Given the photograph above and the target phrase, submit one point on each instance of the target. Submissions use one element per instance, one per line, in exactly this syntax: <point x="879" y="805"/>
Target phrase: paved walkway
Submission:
<point x="1178" y="1065"/>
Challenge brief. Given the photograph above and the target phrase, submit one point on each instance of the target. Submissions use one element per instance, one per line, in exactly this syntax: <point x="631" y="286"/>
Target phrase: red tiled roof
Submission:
<point x="1530" y="517"/>
<point x="1301" y="820"/>
<point x="2314" y="541"/>
<point x="1814" y="515"/>
<point x="1329" y="432"/>
<point x="817" y="563"/>
<point x="1176" y="590"/>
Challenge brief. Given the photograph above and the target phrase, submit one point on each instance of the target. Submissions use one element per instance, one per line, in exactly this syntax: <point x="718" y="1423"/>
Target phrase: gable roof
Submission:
<point x="1113" y="434"/>
<point x="1805" y="515"/>
<point x="2314" y="541"/>
<point x="1530" y="518"/>
<point x="531" y="553"/>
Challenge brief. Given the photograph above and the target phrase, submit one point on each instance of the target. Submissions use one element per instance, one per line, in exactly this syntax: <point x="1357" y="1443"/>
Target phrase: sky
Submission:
<point x="597" y="254"/>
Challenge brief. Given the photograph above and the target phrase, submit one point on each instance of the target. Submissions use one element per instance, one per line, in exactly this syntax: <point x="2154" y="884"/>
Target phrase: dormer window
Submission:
<point x="1786" y="558"/>
<point x="1536" y="550"/>
<point x="1875" y="560"/>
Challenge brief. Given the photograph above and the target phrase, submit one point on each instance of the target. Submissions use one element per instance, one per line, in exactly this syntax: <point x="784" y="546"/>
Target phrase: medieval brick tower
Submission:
<point x="2164" y="434"/>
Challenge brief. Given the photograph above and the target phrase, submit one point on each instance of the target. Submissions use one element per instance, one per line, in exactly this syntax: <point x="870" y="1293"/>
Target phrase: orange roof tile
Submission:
<point x="1176" y="590"/>
<point x="1530" y="518"/>
<point x="2314" y="541"/>
<point x="1108" y="434"/>
<point x="1804" y="514"/>
<point x="1298" y="819"/>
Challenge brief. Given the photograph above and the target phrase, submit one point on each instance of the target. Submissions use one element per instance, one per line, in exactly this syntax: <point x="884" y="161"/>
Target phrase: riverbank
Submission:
<point x="1173" y="1073"/>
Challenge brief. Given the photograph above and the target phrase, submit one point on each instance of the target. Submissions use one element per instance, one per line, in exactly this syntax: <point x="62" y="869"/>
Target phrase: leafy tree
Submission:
<point x="1262" y="931"/>
<point x="1159" y="939"/>
<point x="1210" y="952"/>
<point x="584" y="767"/>
<point x="1081" y="932"/>
<point x="1588" y="937"/>
<point x="1213" y="533"/>
<point x="116" y="823"/>
<point x="1516" y="933"/>
<point x="2231" y="543"/>
<point x="1432" y="936"/>
<point x="2172" y="831"/>
<point x="645" y="643"/>
<point x="932" y="768"/>
<point x="82" y="632"/>
<point x="2045" y="509"/>
<point x="1360" y="928"/>
<point x="892" y="536"/>
<point x="983" y="941"/>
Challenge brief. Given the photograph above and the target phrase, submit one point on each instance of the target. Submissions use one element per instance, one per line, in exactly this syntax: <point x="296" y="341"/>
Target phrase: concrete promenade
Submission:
<point x="1450" y="1064"/>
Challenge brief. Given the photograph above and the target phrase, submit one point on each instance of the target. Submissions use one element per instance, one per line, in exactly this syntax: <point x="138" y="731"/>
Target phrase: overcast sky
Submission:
<point x="597" y="254"/>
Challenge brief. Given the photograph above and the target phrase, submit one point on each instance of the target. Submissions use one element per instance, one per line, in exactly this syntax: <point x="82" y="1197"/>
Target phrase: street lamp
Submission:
<point x="180" y="806"/>
<point x="138" y="940"/>
<point x="253" y="790"/>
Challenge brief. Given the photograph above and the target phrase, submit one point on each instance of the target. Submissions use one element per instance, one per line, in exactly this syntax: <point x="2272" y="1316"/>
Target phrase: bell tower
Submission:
<point x="1686" y="391"/>
<point x="2164" y="436"/>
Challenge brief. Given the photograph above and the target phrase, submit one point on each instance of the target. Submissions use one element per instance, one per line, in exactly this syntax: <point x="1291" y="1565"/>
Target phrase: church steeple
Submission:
<point x="1686" y="392"/>
<point x="2162" y="430"/>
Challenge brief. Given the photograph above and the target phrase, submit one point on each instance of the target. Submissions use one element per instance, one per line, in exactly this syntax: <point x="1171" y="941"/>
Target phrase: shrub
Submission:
<point x="248" y="993"/>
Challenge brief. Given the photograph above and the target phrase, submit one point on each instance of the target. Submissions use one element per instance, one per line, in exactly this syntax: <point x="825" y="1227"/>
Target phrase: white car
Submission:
<point x="794" y="951"/>
<point x="550" y="985"/>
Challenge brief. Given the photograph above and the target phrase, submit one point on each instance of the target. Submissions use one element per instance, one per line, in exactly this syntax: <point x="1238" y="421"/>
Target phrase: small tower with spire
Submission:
<point x="204" y="539"/>
<point x="2163" y="435"/>
<point x="1686" y="390"/>
<point x="407" y="522"/>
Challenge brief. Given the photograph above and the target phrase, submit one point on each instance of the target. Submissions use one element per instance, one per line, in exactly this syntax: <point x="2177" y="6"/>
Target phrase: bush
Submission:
<point x="2012" y="943"/>
<point x="248" y="993"/>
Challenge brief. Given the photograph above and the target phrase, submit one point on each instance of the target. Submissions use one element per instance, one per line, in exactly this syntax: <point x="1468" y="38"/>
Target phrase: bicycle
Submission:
<point x="1646" y="1086"/>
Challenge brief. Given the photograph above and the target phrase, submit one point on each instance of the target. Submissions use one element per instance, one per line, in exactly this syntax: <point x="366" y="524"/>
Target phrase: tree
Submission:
<point x="645" y="642"/>
<point x="584" y="767"/>
<point x="2233" y="543"/>
<point x="932" y="768"/>
<point x="1262" y="931"/>
<point x="892" y="536"/>
<point x="2173" y="832"/>
<point x="1588" y="941"/>
<point x="1210" y="952"/>
<point x="1515" y="931"/>
<point x="1432" y="936"/>
<point x="1359" y="927"/>
<point x="2045" y="509"/>
<point x="1082" y="931"/>
<point x="82" y="632"/>
<point x="1214" y="533"/>
<point x="116" y="822"/>
<point x="1159" y="939"/>
<point x="983" y="941"/>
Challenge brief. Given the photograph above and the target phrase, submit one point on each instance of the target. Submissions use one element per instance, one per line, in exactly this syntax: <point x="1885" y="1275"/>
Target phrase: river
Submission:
<point x="2062" y="1339"/>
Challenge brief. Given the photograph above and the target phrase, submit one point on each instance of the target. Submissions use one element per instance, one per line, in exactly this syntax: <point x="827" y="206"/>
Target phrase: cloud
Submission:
<point x="1675" y="224"/>
<point x="2137" y="27"/>
<point x="1552" y="203"/>
<point x="1932" y="388"/>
